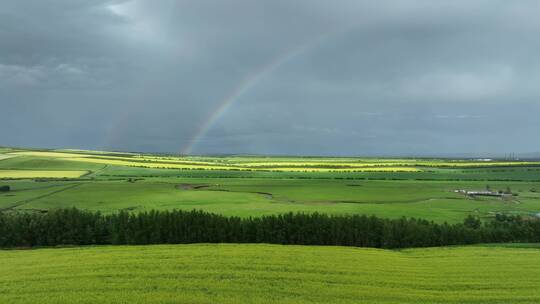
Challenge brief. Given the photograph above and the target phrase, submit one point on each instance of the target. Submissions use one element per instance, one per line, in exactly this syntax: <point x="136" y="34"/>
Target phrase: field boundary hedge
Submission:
<point x="79" y="227"/>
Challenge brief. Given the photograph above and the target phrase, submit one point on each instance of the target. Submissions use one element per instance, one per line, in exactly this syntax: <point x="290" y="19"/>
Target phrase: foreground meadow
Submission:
<point x="269" y="274"/>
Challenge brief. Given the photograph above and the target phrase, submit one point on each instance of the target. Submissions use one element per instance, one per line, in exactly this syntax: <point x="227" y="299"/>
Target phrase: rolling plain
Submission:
<point x="252" y="186"/>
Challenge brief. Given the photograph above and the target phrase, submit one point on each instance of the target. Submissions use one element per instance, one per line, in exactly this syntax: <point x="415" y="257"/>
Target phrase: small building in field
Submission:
<point x="483" y="193"/>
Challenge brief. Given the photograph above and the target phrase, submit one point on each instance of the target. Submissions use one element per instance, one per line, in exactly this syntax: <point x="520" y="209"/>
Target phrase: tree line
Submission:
<point x="79" y="227"/>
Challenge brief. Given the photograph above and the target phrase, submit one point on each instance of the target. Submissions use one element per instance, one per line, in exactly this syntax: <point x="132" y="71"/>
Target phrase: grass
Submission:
<point x="24" y="192"/>
<point x="254" y="197"/>
<point x="529" y="174"/>
<point x="16" y="174"/>
<point x="269" y="274"/>
<point x="44" y="163"/>
<point x="280" y="164"/>
<point x="49" y="154"/>
<point x="254" y="186"/>
<point x="424" y="192"/>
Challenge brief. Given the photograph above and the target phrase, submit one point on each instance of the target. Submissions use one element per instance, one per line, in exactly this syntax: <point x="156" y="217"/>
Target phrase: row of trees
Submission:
<point x="77" y="227"/>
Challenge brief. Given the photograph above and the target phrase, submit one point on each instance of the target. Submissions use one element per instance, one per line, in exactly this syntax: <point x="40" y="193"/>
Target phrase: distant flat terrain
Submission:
<point x="256" y="185"/>
<point x="270" y="274"/>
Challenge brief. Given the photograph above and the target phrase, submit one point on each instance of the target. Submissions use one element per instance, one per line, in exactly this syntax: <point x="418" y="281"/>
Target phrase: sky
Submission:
<point x="288" y="77"/>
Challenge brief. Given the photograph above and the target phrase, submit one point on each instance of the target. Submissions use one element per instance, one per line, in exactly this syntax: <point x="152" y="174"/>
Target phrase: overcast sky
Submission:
<point x="313" y="77"/>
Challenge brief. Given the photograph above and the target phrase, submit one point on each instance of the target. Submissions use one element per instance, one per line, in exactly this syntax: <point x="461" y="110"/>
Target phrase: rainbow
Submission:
<point x="249" y="82"/>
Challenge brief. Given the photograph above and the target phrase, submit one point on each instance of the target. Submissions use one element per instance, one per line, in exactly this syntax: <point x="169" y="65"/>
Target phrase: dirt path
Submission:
<point x="94" y="173"/>
<point x="28" y="200"/>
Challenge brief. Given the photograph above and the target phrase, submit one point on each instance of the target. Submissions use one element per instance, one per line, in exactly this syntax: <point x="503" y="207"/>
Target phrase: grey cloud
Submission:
<point x="341" y="77"/>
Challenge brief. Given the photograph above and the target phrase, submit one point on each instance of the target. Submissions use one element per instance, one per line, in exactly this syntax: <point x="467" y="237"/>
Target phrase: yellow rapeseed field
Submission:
<point x="285" y="164"/>
<point x="48" y="154"/>
<point x="40" y="174"/>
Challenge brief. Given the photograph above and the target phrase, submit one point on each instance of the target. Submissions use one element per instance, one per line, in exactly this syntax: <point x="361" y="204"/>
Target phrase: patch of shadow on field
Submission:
<point x="265" y="194"/>
<point x="34" y="210"/>
<point x="206" y="187"/>
<point x="132" y="208"/>
<point x="191" y="186"/>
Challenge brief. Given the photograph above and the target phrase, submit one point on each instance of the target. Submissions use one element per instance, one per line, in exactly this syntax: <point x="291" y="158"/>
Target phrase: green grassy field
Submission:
<point x="425" y="193"/>
<point x="254" y="186"/>
<point x="252" y="197"/>
<point x="269" y="274"/>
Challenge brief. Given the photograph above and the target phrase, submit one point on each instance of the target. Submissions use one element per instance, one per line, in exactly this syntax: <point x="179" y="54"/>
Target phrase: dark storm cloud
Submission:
<point x="340" y="77"/>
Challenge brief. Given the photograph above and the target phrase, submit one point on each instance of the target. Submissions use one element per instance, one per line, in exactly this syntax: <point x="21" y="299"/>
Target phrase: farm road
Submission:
<point x="28" y="200"/>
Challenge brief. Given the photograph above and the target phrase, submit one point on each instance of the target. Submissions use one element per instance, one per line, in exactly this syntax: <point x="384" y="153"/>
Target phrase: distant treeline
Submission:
<point x="77" y="227"/>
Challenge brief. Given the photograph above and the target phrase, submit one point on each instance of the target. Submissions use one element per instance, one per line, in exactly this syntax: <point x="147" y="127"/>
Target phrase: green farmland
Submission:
<point x="254" y="186"/>
<point x="36" y="182"/>
<point x="269" y="274"/>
